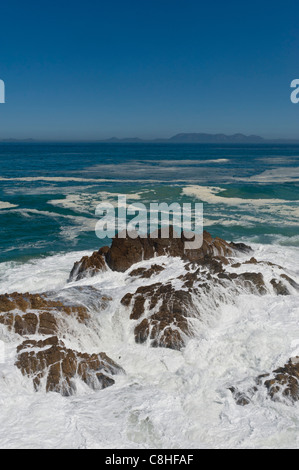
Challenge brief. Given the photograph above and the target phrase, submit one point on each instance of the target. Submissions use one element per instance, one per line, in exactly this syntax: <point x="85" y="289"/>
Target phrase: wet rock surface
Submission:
<point x="126" y="251"/>
<point x="29" y="314"/>
<point x="284" y="381"/>
<point x="279" y="287"/>
<point x="167" y="310"/>
<point x="50" y="364"/>
<point x="147" y="273"/>
<point x="281" y="385"/>
<point x="162" y="311"/>
<point x="89" y="266"/>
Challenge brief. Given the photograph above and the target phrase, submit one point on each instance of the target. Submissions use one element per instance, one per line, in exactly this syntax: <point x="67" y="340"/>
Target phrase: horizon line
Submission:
<point x="181" y="138"/>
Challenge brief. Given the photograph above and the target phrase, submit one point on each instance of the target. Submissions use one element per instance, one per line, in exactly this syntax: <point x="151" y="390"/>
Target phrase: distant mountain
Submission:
<point x="194" y="138"/>
<point x="215" y="138"/>
<point x="129" y="140"/>
<point x="182" y="138"/>
<point x="16" y="140"/>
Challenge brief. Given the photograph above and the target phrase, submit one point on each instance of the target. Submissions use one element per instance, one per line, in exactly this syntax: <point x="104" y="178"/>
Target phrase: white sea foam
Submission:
<point x="158" y="166"/>
<point x="55" y="179"/>
<point x="167" y="399"/>
<point x="67" y="179"/>
<point x="244" y="211"/>
<point x="87" y="202"/>
<point x="276" y="175"/>
<point x="185" y="162"/>
<point x="58" y="179"/>
<point x="211" y="195"/>
<point x="38" y="275"/>
<point x="46" y="189"/>
<point x="6" y="205"/>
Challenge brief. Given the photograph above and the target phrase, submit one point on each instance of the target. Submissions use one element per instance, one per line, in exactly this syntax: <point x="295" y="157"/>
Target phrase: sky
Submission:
<point x="152" y="68"/>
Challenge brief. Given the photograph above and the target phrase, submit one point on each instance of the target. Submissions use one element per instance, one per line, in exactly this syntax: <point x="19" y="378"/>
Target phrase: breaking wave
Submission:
<point x="167" y="398"/>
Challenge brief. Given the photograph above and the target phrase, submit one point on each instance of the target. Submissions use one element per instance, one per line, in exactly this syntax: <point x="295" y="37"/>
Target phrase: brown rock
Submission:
<point x="290" y="281"/>
<point x="282" y="384"/>
<point x="162" y="311"/>
<point x="89" y="265"/>
<point x="279" y="287"/>
<point x="285" y="381"/>
<point x="124" y="252"/>
<point x="146" y="273"/>
<point x="241" y="399"/>
<point x="253" y="282"/>
<point x="50" y="362"/>
<point x="251" y="261"/>
<point x="29" y="314"/>
<point x="168" y="309"/>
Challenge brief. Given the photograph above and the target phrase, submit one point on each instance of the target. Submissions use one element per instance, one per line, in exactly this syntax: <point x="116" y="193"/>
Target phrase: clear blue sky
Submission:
<point x="148" y="68"/>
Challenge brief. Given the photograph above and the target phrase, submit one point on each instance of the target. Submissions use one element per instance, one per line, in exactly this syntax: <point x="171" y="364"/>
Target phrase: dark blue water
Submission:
<point x="48" y="192"/>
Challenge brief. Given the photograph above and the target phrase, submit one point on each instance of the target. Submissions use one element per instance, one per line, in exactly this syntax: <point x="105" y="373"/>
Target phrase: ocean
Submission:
<point x="166" y="399"/>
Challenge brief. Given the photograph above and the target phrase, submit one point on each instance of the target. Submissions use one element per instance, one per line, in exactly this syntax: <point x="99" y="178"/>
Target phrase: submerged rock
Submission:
<point x="284" y="381"/>
<point x="253" y="282"/>
<point x="29" y="314"/>
<point x="241" y="398"/>
<point x="50" y="364"/>
<point x="279" y="287"/>
<point x="290" y="281"/>
<point x="281" y="385"/>
<point x="166" y="309"/>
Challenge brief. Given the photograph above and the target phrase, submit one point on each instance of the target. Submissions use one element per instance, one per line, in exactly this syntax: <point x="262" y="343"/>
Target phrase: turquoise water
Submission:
<point x="48" y="192"/>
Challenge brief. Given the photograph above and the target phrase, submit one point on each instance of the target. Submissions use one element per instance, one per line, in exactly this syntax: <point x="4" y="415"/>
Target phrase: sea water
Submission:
<point x="166" y="399"/>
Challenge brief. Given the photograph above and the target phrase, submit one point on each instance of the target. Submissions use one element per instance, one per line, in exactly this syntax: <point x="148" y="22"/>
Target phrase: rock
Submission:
<point x="254" y="282"/>
<point x="126" y="251"/>
<point x="279" y="287"/>
<point x="290" y="281"/>
<point x="51" y="364"/>
<point x="240" y="247"/>
<point x="241" y="399"/>
<point x="214" y="272"/>
<point x="146" y="273"/>
<point x="29" y="314"/>
<point x="282" y="384"/>
<point x="167" y="311"/>
<point x="236" y="265"/>
<point x="162" y="311"/>
<point x="251" y="261"/>
<point x="285" y="382"/>
<point x="89" y="265"/>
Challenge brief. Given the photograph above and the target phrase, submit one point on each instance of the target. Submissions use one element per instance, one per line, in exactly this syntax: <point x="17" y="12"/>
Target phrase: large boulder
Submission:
<point x="53" y="366"/>
<point x="125" y="251"/>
